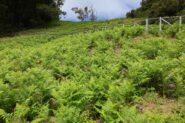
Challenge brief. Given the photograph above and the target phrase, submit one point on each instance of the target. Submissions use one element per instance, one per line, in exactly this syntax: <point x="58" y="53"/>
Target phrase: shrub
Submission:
<point x="172" y="31"/>
<point x="68" y="115"/>
<point x="132" y="32"/>
<point x="181" y="35"/>
<point x="154" y="30"/>
<point x="153" y="47"/>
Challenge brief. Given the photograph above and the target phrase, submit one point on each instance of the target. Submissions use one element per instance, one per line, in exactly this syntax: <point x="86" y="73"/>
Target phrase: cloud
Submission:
<point x="106" y="9"/>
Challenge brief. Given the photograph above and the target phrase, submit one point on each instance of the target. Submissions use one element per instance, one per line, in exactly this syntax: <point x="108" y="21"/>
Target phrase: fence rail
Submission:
<point x="161" y="21"/>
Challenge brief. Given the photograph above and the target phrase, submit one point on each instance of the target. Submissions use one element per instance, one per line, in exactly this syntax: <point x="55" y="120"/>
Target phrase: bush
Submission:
<point x="154" y="30"/>
<point x="132" y="32"/>
<point x="172" y="31"/>
<point x="181" y="35"/>
<point x="153" y="47"/>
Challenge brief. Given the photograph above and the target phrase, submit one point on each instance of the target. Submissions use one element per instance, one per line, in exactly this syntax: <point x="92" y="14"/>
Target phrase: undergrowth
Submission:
<point x="95" y="77"/>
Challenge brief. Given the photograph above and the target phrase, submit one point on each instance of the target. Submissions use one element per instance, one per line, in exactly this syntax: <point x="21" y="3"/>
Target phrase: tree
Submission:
<point x="82" y="13"/>
<point x="153" y="8"/>
<point x="85" y="13"/>
<point x="28" y="13"/>
<point x="93" y="15"/>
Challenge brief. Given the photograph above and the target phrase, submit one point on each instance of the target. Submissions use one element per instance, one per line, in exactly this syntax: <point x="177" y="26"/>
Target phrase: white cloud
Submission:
<point x="106" y="9"/>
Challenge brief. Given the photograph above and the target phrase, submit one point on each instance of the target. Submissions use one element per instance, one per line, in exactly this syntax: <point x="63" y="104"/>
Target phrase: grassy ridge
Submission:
<point x="32" y="37"/>
<point x="116" y="75"/>
<point x="76" y="27"/>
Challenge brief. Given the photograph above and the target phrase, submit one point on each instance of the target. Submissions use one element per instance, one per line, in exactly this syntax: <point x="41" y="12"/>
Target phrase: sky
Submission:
<point x="105" y="9"/>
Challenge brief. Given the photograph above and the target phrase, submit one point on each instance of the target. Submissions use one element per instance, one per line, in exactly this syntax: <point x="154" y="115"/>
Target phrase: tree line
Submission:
<point x="15" y="14"/>
<point x="157" y="8"/>
<point x="28" y="13"/>
<point x="18" y="14"/>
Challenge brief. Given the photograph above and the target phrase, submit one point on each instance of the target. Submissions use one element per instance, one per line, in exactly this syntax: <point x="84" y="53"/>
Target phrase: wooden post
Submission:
<point x="146" y="25"/>
<point x="160" y="25"/>
<point x="180" y="23"/>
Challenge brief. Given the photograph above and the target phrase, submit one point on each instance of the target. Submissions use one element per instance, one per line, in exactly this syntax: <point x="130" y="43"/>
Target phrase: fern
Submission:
<point x="94" y="77"/>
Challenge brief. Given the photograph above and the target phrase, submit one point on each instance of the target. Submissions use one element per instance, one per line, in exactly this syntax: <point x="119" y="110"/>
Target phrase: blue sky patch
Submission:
<point x="105" y="9"/>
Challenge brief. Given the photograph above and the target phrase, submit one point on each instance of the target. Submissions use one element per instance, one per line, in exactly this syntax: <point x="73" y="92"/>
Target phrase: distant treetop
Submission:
<point x="156" y="8"/>
<point x="28" y="13"/>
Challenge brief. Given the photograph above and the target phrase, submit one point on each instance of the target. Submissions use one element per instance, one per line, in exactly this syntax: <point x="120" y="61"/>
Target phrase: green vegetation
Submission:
<point x="158" y="8"/>
<point x="114" y="75"/>
<point x="17" y="14"/>
<point x="59" y="28"/>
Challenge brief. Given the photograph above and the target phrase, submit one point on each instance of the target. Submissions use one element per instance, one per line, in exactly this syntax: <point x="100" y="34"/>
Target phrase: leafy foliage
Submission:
<point x="20" y="14"/>
<point x="153" y="8"/>
<point x="132" y="32"/>
<point x="95" y="77"/>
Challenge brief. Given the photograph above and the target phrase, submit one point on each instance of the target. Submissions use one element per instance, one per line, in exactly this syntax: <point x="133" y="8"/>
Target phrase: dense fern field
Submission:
<point x="116" y="75"/>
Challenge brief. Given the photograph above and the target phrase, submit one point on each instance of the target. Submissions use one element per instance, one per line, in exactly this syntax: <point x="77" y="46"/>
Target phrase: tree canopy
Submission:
<point x="85" y="13"/>
<point x="156" y="8"/>
<point x="29" y="13"/>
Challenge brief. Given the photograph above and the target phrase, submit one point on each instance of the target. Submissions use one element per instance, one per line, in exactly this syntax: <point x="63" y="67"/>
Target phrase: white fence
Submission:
<point x="161" y="21"/>
<point x="135" y="23"/>
<point x="146" y="21"/>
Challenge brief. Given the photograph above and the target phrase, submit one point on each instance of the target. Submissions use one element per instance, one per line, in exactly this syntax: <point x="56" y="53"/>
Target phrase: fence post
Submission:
<point x="123" y="25"/>
<point x="180" y="23"/>
<point x="160" y="25"/>
<point x="147" y="25"/>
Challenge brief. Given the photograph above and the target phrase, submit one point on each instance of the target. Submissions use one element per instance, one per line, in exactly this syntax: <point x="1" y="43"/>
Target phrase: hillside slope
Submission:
<point x="115" y="75"/>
